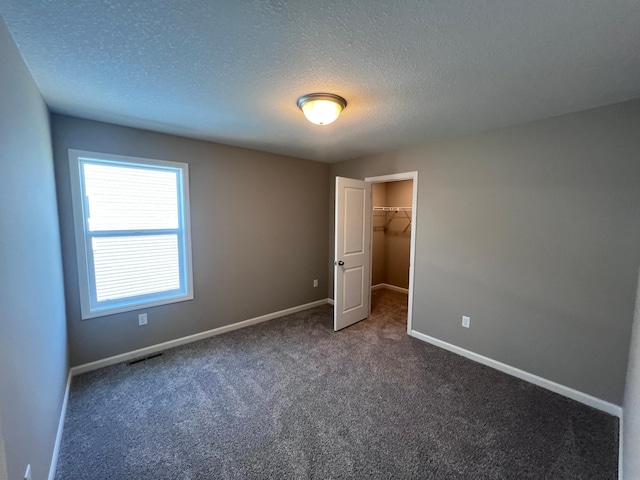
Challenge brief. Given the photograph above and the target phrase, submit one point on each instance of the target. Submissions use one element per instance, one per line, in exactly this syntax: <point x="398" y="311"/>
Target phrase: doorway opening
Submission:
<point x="394" y="199"/>
<point x="353" y="252"/>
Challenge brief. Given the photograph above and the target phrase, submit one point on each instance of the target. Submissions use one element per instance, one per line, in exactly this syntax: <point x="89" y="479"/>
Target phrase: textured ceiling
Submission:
<point x="412" y="71"/>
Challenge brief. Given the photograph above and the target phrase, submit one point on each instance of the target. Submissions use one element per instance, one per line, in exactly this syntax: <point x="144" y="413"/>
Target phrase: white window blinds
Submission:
<point x="136" y="248"/>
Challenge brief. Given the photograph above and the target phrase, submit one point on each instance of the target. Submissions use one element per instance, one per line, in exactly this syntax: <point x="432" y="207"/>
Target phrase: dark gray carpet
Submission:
<point x="292" y="399"/>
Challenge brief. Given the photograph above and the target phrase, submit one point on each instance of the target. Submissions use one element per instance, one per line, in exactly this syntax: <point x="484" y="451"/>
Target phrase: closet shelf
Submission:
<point x="392" y="209"/>
<point x="390" y="215"/>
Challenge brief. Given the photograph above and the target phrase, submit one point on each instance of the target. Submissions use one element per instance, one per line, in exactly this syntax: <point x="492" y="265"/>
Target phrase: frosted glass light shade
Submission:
<point x="321" y="108"/>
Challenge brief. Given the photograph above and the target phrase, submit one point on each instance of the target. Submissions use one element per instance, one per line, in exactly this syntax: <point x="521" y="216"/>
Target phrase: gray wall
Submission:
<point x="631" y="418"/>
<point x="533" y="231"/>
<point x="33" y="348"/>
<point x="259" y="229"/>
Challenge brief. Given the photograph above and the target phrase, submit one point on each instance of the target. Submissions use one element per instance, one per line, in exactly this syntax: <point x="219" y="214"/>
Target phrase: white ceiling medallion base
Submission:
<point x="321" y="108"/>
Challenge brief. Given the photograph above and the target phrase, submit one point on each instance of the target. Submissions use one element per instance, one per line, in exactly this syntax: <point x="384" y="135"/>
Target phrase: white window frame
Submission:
<point x="83" y="236"/>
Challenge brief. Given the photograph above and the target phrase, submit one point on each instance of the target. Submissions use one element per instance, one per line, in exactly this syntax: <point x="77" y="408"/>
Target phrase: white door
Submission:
<point x="351" y="286"/>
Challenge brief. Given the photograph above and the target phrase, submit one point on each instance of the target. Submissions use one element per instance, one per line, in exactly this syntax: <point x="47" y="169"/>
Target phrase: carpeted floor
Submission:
<point x="291" y="399"/>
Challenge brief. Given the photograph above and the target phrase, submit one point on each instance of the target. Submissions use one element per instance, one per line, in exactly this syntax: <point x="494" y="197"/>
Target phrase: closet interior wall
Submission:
<point x="391" y="240"/>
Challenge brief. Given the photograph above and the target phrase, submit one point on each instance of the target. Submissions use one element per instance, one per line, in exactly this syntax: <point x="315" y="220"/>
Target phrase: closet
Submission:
<point x="391" y="239"/>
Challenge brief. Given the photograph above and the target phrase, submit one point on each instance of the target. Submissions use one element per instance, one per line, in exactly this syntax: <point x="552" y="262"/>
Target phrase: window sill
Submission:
<point x="138" y="306"/>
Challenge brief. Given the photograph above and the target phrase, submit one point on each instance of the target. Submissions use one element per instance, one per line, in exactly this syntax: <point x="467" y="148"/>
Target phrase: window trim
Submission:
<point x="82" y="237"/>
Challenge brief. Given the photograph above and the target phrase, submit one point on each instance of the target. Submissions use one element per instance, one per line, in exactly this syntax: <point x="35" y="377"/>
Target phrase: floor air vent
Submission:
<point x="142" y="359"/>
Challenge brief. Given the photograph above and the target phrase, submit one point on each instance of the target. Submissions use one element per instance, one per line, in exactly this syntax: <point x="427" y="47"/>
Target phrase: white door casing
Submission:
<point x="352" y="289"/>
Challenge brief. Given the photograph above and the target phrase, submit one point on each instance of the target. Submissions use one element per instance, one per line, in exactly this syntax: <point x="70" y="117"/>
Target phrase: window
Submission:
<point x="132" y="232"/>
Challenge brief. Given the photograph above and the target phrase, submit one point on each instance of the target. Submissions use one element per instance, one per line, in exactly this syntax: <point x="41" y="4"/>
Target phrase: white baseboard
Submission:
<point x="63" y="414"/>
<point x="390" y="287"/>
<point x="123" y="357"/>
<point x="581" y="397"/>
<point x="330" y="301"/>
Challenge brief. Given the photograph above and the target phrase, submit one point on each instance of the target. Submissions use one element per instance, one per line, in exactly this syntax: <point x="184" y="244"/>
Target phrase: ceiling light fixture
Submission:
<point x="321" y="108"/>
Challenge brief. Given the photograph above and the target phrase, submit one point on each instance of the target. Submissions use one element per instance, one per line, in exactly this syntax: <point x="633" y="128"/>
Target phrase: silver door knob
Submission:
<point x="340" y="262"/>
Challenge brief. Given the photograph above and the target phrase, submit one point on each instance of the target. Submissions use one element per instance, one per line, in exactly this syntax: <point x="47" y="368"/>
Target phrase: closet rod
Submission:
<point x="393" y="209"/>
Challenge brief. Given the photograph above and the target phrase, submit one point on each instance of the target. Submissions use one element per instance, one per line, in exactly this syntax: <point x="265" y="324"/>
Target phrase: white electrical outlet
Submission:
<point x="466" y="321"/>
<point x="27" y="473"/>
<point x="142" y="319"/>
<point x="315" y="283"/>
